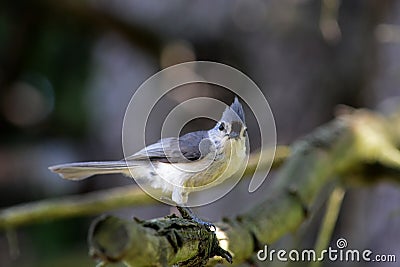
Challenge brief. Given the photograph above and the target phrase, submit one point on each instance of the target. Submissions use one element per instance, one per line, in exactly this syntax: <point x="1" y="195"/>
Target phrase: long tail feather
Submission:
<point x="82" y="170"/>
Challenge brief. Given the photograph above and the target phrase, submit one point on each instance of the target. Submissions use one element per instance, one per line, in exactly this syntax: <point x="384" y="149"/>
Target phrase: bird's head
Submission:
<point x="231" y="126"/>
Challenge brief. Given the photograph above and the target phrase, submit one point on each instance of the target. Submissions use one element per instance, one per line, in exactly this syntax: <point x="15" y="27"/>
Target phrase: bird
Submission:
<point x="179" y="165"/>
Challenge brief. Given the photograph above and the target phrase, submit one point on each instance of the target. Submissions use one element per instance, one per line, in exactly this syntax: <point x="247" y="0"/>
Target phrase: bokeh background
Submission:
<point x="69" y="68"/>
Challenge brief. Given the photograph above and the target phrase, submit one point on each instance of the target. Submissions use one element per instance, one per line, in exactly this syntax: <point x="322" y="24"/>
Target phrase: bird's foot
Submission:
<point x="187" y="213"/>
<point x="209" y="225"/>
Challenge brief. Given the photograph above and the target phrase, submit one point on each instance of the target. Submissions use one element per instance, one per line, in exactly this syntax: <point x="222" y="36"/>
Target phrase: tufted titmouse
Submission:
<point x="178" y="166"/>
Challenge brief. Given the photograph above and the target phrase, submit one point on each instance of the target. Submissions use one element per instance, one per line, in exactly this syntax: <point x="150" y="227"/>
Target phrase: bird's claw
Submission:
<point x="188" y="214"/>
<point x="209" y="225"/>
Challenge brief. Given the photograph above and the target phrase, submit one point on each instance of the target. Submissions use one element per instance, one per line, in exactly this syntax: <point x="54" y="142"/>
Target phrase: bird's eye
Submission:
<point x="221" y="126"/>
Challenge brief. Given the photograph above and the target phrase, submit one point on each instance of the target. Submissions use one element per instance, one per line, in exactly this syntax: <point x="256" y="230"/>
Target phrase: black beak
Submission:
<point x="234" y="135"/>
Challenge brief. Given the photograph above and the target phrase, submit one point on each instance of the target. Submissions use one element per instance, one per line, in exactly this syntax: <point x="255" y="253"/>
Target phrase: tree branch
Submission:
<point x="73" y="206"/>
<point x="168" y="241"/>
<point x="328" y="223"/>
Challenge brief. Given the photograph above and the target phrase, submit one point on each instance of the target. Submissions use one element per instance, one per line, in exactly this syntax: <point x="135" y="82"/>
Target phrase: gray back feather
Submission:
<point x="176" y="150"/>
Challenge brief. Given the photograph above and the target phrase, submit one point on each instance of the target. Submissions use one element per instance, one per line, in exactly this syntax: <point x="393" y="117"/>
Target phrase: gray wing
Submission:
<point x="176" y="150"/>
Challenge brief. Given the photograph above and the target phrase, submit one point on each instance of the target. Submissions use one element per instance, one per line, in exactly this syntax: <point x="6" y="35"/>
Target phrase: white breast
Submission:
<point x="183" y="178"/>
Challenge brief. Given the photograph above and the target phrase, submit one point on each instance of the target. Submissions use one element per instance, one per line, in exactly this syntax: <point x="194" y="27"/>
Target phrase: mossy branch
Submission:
<point x="165" y="242"/>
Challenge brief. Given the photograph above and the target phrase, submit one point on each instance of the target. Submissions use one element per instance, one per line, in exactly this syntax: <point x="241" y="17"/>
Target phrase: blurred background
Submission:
<point x="69" y="68"/>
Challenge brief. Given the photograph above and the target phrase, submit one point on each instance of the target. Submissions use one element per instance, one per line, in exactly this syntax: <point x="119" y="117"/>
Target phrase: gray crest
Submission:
<point x="233" y="112"/>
